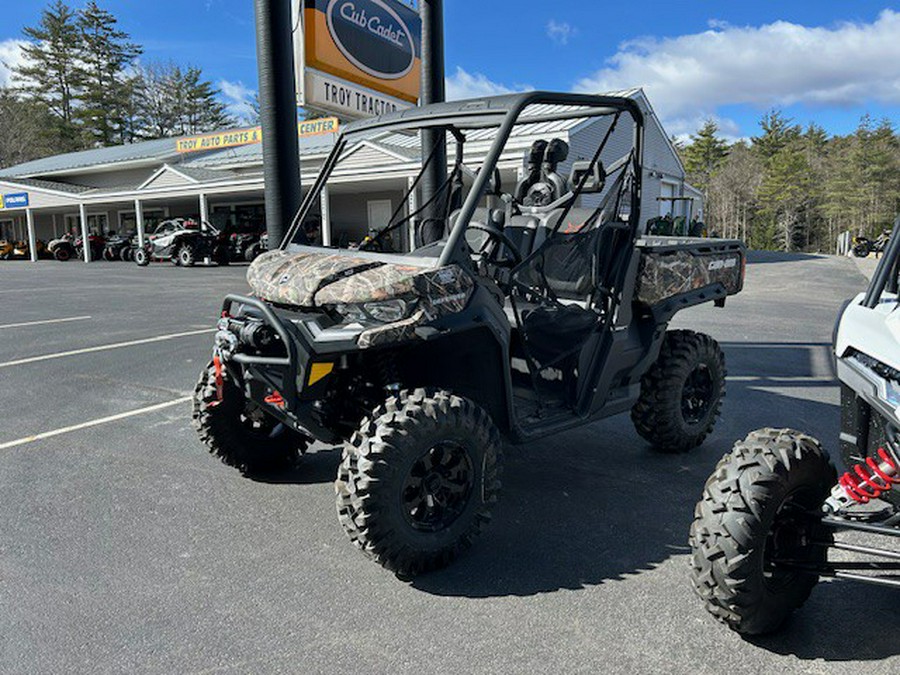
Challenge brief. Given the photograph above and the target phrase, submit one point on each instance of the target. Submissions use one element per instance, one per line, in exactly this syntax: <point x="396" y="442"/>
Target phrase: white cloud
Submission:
<point x="560" y="31"/>
<point x="462" y="85"/>
<point x="682" y="127"/>
<point x="11" y="56"/>
<point x="239" y="100"/>
<point x="688" y="77"/>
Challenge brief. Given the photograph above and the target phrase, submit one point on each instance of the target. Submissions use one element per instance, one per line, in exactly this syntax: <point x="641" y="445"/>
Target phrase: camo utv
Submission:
<point x="517" y="313"/>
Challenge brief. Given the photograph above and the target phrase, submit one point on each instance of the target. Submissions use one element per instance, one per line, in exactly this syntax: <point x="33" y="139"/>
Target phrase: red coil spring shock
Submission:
<point x="874" y="482"/>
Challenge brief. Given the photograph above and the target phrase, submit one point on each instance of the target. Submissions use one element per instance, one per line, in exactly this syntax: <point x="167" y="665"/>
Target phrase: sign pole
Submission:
<point x="433" y="91"/>
<point x="278" y="115"/>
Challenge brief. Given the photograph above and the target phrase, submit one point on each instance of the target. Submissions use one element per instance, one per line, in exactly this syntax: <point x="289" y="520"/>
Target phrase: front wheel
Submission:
<point x="681" y="393"/>
<point x="186" y="256"/>
<point x="757" y="536"/>
<point x="62" y="253"/>
<point x="238" y="431"/>
<point x="141" y="257"/>
<point x="419" y="479"/>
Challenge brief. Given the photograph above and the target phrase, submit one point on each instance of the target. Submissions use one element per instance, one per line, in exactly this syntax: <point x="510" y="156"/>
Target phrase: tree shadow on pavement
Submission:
<point x="755" y="257"/>
<point x="842" y="621"/>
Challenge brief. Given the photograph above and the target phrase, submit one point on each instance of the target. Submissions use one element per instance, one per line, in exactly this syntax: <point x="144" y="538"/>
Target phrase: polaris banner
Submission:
<point x="14" y="200"/>
<point x="358" y="57"/>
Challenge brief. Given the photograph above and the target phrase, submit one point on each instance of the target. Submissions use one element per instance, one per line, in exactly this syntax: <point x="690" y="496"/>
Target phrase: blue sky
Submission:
<point x="827" y="62"/>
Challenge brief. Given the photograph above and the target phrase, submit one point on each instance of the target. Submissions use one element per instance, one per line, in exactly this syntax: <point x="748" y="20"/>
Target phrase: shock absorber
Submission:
<point x="866" y="481"/>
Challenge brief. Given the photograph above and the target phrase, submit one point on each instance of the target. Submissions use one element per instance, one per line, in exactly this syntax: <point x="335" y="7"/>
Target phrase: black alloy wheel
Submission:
<point x="438" y="486"/>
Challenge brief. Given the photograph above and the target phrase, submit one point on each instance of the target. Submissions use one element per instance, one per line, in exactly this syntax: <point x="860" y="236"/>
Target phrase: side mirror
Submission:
<point x="596" y="179"/>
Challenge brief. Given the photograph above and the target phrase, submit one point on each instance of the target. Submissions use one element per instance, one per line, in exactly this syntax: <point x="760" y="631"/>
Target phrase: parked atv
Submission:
<point x="240" y="245"/>
<point x="863" y="246"/>
<point x="183" y="242"/>
<point x="257" y="248"/>
<point x="119" y="247"/>
<point x="67" y="240"/>
<point x="766" y="524"/>
<point x="538" y="311"/>
<point x="69" y="246"/>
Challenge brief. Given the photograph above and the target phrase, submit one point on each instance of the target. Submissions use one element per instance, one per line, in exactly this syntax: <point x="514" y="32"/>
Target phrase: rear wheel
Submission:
<point x="761" y="508"/>
<point x="238" y="431"/>
<point x="109" y="254"/>
<point x="186" y="256"/>
<point x="861" y="250"/>
<point x="252" y="252"/>
<point x="141" y="257"/>
<point x="419" y="479"/>
<point x="126" y="253"/>
<point x="681" y="394"/>
<point x="62" y="253"/>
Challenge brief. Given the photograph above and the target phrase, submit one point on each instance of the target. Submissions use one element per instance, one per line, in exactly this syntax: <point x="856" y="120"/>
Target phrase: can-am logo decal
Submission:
<point x="372" y="36"/>
<point x="722" y="264"/>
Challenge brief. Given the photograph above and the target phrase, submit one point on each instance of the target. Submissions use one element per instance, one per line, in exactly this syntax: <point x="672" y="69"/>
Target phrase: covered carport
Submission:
<point x="32" y="209"/>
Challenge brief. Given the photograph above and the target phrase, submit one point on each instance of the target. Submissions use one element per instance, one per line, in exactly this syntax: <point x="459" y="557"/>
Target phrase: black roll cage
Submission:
<point x="510" y="108"/>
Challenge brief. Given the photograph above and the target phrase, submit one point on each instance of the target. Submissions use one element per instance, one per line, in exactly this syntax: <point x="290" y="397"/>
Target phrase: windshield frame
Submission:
<point x="510" y="109"/>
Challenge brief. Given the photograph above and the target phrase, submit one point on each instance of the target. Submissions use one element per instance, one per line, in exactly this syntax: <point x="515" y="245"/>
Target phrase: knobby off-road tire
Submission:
<point x="681" y="393"/>
<point x="186" y="257"/>
<point x="419" y="479"/>
<point x="141" y="257"/>
<point x="762" y="502"/>
<point x="238" y="432"/>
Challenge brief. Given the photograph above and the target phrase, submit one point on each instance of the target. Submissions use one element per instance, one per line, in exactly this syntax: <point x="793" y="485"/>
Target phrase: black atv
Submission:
<point x="257" y="248"/>
<point x="119" y="247"/>
<point x="183" y="242"/>
<point x="863" y="246"/>
<point x="244" y="246"/>
<point x="765" y="526"/>
<point x="536" y="311"/>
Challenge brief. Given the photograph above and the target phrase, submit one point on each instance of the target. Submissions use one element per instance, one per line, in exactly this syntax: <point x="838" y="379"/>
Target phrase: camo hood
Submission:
<point x="316" y="279"/>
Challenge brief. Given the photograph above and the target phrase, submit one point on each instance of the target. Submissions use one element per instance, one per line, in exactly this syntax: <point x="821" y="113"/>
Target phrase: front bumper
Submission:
<point x="289" y="385"/>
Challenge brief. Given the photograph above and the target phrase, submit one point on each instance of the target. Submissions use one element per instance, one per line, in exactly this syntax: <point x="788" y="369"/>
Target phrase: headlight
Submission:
<point x="386" y="311"/>
<point x="383" y="311"/>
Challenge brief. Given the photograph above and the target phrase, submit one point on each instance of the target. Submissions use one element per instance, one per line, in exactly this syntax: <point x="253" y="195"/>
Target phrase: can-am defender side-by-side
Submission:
<point x="183" y="242"/>
<point x="521" y="312"/>
<point x="764" y="530"/>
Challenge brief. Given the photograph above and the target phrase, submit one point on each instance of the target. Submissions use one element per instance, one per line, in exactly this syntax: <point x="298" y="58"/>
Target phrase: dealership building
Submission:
<point x="129" y="188"/>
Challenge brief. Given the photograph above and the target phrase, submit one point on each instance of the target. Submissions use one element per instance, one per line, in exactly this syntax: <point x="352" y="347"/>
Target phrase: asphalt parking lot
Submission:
<point x="124" y="547"/>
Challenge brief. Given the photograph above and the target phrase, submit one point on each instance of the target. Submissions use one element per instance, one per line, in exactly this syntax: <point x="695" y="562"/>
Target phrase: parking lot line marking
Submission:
<point x="45" y="321"/>
<point x="101" y="348"/>
<point x="94" y="423"/>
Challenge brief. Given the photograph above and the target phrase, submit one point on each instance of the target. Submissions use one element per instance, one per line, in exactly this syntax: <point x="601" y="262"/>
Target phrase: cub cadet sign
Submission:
<point x="231" y="139"/>
<point x="359" y="57"/>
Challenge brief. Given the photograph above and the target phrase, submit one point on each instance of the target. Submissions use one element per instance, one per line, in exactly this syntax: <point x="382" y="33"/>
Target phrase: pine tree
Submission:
<point x="177" y="101"/>
<point x="49" y="73"/>
<point x="778" y="132"/>
<point x="106" y="52"/>
<point x="704" y="155"/>
<point x="203" y="110"/>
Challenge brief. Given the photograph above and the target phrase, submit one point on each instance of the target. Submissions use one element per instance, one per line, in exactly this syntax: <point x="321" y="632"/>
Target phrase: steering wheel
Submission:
<point x="497" y="236"/>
